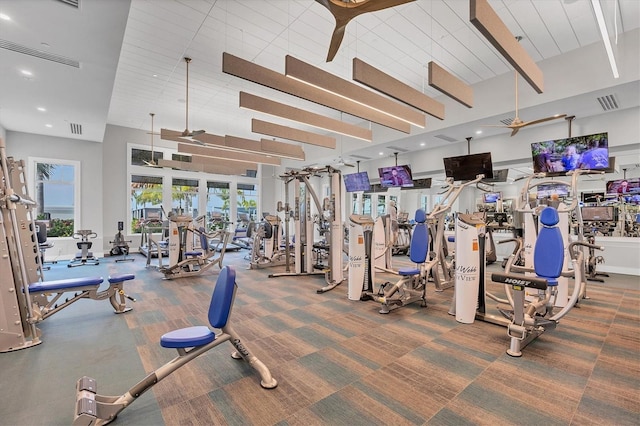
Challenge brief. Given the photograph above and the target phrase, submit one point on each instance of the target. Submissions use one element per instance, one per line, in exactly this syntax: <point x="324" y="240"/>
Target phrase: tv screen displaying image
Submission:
<point x="491" y="197"/>
<point x="603" y="213"/>
<point x="590" y="152"/>
<point x="623" y="186"/>
<point x="468" y="167"/>
<point x="547" y="190"/>
<point x="396" y="176"/>
<point x="355" y="182"/>
<point x="592" y="197"/>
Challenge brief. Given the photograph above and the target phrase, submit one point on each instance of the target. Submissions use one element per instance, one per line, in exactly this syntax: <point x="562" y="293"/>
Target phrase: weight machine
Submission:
<point x="25" y="298"/>
<point x="329" y="220"/>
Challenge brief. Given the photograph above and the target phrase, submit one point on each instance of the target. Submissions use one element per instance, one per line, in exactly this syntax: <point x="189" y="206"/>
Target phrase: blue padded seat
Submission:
<point x="193" y="253"/>
<point x="451" y="238"/>
<point x="120" y="278"/>
<point x="187" y="337"/>
<point x="68" y="283"/>
<point x="219" y="311"/>
<point x="419" y="246"/>
<point x="548" y="255"/>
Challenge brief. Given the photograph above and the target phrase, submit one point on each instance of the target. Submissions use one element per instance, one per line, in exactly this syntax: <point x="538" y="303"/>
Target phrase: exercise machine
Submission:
<point x="93" y="409"/>
<point x="413" y="284"/>
<point x="403" y="240"/>
<point x="25" y="299"/>
<point x="150" y="245"/>
<point x="266" y="251"/>
<point x="361" y="276"/>
<point x="328" y="220"/>
<point x="120" y="245"/>
<point x="186" y="258"/>
<point x="84" y="256"/>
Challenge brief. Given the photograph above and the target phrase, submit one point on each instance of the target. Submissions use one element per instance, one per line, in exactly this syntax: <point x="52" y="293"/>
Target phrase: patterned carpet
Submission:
<point x="337" y="362"/>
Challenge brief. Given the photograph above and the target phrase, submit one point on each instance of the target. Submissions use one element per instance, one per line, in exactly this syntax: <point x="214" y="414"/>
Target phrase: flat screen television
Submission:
<point x="623" y="186"/>
<point x="599" y="213"/>
<point x="421" y="184"/>
<point x="558" y="156"/>
<point x="467" y="167"/>
<point x="498" y="176"/>
<point x="491" y="197"/>
<point x="549" y="189"/>
<point x="592" y="197"/>
<point x="355" y="182"/>
<point x="396" y="176"/>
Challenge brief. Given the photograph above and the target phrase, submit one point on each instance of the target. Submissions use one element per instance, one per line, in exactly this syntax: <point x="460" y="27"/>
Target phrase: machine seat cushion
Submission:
<point x="120" y="278"/>
<point x="419" y="245"/>
<point x="421" y="216"/>
<point x="187" y="337"/>
<point x="222" y="298"/>
<point x="66" y="284"/>
<point x="451" y="238"/>
<point x="193" y="253"/>
<point x="548" y="254"/>
<point x="408" y="271"/>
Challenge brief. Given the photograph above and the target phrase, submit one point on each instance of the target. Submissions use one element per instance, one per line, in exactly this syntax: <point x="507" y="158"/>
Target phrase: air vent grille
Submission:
<point x="76" y="129"/>
<point x="9" y="45"/>
<point x="608" y="102"/>
<point x="359" y="157"/>
<point x="445" y="138"/>
<point x="74" y="3"/>
<point x="507" y="121"/>
<point x="398" y="149"/>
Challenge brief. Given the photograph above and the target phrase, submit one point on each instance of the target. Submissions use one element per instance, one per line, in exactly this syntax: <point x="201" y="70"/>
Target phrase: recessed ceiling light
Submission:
<point x="381" y="153"/>
<point x="41" y="109"/>
<point x="155" y="75"/>
<point x="26" y="72"/>
<point x="478" y="132"/>
<point x="422" y="144"/>
<point x="48" y="125"/>
<point x="5" y="17"/>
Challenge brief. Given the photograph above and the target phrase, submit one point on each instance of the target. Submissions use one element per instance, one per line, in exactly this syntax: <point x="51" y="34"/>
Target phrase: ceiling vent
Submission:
<point x="74" y="3"/>
<point x="397" y="149"/>
<point x="507" y="121"/>
<point x="76" y="129"/>
<point x="445" y="138"/>
<point x="608" y="102"/>
<point x="359" y="157"/>
<point x="9" y="45"/>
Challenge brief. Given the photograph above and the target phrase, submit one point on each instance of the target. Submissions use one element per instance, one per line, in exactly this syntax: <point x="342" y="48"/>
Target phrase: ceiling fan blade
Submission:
<point x="542" y="120"/>
<point x="495" y="125"/>
<point x="515" y="130"/>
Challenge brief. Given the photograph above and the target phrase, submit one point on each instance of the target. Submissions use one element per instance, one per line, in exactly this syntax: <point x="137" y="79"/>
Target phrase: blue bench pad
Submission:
<point x="408" y="271"/>
<point x="451" y="238"/>
<point x="187" y="337"/>
<point x="120" y="278"/>
<point x="193" y="253"/>
<point x="66" y="284"/>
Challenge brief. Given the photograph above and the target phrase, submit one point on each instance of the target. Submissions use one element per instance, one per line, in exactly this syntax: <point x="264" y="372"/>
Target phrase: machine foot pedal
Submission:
<point x="87" y="384"/>
<point x="86" y="407"/>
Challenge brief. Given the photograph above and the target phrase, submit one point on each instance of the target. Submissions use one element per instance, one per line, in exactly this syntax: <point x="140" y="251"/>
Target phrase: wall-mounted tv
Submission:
<point x="599" y="213"/>
<point x="467" y="167"/>
<point x="558" y="156"/>
<point x="624" y="186"/>
<point x="420" y="184"/>
<point x="547" y="190"/>
<point x="396" y="176"/>
<point x="592" y="197"/>
<point x="498" y="176"/>
<point x="491" y="197"/>
<point x="355" y="182"/>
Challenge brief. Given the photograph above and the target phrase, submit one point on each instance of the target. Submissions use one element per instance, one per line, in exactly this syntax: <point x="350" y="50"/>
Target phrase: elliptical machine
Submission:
<point x="84" y="256"/>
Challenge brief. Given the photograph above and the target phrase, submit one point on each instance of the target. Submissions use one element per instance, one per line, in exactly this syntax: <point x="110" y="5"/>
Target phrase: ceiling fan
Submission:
<point x="345" y="10"/>
<point x="517" y="124"/>
<point x="185" y="135"/>
<point x="342" y="163"/>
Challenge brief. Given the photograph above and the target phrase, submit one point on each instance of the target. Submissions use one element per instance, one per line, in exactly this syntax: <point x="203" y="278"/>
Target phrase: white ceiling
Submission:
<point x="131" y="63"/>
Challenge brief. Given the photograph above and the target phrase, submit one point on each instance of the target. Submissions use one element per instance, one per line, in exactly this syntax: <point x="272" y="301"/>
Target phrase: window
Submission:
<point x="146" y="199"/>
<point x="247" y="201"/>
<point x="142" y="157"/>
<point x="366" y="204"/>
<point x="184" y="196"/>
<point x="57" y="186"/>
<point x="218" y="204"/>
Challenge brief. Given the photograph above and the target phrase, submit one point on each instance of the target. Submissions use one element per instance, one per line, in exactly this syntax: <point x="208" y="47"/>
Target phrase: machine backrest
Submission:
<point x="222" y="298"/>
<point x="548" y="255"/>
<point x="204" y="242"/>
<point x="419" y="247"/>
<point x="41" y="232"/>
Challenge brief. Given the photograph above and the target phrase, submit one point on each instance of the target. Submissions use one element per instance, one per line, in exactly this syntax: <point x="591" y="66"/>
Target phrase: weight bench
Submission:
<point x="84" y="288"/>
<point x="548" y="259"/>
<point x="94" y="409"/>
